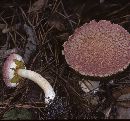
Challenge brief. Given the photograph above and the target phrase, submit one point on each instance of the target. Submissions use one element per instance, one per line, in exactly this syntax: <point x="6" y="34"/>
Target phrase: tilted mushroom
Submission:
<point x="14" y="69"/>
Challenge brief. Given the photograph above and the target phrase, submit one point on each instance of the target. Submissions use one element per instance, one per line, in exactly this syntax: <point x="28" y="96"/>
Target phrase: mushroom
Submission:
<point x="98" y="49"/>
<point x="14" y="69"/>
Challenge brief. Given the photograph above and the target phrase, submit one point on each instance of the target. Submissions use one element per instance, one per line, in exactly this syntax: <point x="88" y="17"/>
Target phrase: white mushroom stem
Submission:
<point x="42" y="82"/>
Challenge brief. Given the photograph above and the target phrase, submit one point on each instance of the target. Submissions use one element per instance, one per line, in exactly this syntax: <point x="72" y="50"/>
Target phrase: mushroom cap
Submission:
<point x="8" y="69"/>
<point x="98" y="49"/>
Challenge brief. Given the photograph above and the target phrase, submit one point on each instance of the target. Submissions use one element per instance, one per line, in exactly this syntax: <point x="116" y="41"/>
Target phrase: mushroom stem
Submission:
<point x="42" y="82"/>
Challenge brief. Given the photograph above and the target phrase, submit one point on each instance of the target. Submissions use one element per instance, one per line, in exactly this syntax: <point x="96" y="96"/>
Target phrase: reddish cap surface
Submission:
<point x="8" y="72"/>
<point x="98" y="49"/>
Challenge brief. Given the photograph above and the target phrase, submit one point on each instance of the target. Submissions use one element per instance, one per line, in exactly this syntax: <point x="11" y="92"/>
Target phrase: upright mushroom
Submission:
<point x="98" y="49"/>
<point x="14" y="69"/>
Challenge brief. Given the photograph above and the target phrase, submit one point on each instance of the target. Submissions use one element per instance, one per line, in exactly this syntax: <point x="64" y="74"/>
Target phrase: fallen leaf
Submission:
<point x="2" y="26"/>
<point x="17" y="114"/>
<point x="57" y="22"/>
<point x="37" y="5"/>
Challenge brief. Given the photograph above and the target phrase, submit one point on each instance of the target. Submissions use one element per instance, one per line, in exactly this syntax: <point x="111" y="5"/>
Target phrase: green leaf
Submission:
<point x="17" y="114"/>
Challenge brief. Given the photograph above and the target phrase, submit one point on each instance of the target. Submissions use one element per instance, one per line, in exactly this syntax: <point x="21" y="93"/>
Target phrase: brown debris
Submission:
<point x="56" y="22"/>
<point x="39" y="4"/>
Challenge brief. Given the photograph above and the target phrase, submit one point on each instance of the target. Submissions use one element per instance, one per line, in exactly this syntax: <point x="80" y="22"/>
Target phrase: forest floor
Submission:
<point x="37" y="30"/>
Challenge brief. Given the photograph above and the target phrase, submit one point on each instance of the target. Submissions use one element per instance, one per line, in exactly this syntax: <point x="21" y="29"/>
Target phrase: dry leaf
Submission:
<point x="57" y="22"/>
<point x="57" y="25"/>
<point x="37" y="5"/>
<point x="2" y="26"/>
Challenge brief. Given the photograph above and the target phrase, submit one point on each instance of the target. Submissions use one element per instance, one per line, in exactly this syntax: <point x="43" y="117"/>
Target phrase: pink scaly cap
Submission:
<point x="98" y="49"/>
